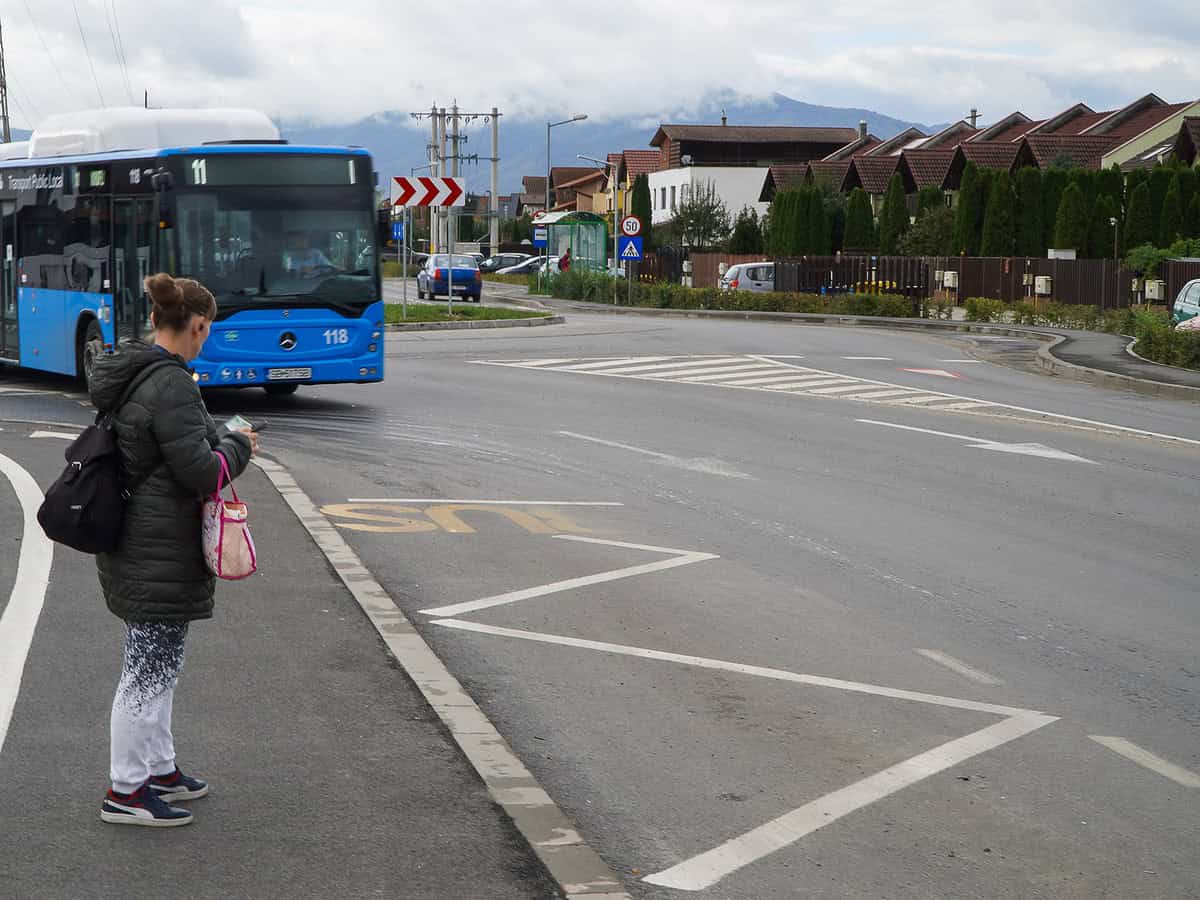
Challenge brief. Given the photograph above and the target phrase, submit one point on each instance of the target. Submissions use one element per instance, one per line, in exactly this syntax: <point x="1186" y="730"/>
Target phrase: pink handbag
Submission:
<point x="228" y="547"/>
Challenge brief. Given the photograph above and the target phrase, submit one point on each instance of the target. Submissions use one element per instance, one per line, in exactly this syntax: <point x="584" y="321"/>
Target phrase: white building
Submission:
<point x="737" y="186"/>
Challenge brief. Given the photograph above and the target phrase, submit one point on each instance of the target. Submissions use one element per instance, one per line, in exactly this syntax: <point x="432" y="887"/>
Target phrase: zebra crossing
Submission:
<point x="778" y="375"/>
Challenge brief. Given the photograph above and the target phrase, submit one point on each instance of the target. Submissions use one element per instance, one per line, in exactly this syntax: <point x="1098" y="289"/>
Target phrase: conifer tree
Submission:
<point x="970" y="202"/>
<point x="860" y="223"/>
<point x="1171" y="224"/>
<point x="999" y="223"/>
<point x="1054" y="182"/>
<point x="1030" y="233"/>
<point x="1071" y="225"/>
<point x="893" y="217"/>
<point x="1139" y="219"/>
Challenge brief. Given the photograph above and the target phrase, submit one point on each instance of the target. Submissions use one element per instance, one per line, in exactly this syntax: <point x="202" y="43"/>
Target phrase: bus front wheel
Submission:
<point x="91" y="345"/>
<point x="280" y="390"/>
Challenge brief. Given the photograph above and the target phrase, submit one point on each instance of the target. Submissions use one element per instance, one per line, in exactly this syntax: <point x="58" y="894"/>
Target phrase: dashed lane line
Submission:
<point x="957" y="665"/>
<point x="1148" y="760"/>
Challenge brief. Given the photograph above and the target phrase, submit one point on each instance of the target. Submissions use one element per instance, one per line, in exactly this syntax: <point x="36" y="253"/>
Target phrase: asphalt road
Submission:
<point x="932" y="618"/>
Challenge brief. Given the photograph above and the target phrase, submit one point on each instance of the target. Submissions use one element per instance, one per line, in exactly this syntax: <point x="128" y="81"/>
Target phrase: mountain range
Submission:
<point x="398" y="142"/>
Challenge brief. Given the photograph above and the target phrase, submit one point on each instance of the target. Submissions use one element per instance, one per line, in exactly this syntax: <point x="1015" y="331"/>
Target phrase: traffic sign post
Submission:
<point x="630" y="249"/>
<point x="541" y="235"/>
<point x="631" y="226"/>
<point x="398" y="230"/>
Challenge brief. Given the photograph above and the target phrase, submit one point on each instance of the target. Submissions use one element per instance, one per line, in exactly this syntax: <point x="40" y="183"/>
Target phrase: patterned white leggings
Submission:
<point x="140" y="731"/>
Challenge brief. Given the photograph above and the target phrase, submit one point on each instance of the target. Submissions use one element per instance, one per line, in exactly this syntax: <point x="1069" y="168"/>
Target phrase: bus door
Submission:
<point x="132" y="220"/>
<point x="10" y="340"/>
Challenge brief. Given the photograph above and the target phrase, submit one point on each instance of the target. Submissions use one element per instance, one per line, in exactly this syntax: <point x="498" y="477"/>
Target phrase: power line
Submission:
<point x="108" y="20"/>
<point x="121" y="49"/>
<point x="49" y="55"/>
<point x="91" y="65"/>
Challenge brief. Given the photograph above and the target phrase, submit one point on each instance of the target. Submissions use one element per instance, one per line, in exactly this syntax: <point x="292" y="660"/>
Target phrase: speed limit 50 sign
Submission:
<point x="631" y="226"/>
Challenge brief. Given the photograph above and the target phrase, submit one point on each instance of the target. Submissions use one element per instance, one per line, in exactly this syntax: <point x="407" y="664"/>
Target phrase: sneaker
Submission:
<point x="142" y="807"/>
<point x="177" y="786"/>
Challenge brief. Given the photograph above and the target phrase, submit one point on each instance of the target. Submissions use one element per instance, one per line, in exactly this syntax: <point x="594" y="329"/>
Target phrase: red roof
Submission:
<point x="1081" y="123"/>
<point x="872" y="173"/>
<point x="991" y="154"/>
<point x="894" y="145"/>
<point x="1084" y="150"/>
<point x="754" y="134"/>
<point x="857" y="147"/>
<point x="1140" y="122"/>
<point x="927" y="167"/>
<point x="833" y="169"/>
<point x="1014" y="134"/>
<point x="642" y="162"/>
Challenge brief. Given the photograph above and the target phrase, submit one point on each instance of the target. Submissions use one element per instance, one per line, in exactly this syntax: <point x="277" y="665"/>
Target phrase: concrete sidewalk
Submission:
<point x="331" y="775"/>
<point x="1107" y="352"/>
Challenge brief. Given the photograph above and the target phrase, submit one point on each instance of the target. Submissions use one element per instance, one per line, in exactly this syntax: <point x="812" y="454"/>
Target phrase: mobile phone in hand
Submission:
<point x="238" y="423"/>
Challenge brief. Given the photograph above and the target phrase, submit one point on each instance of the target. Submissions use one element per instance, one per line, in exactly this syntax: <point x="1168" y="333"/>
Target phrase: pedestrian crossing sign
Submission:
<point x="630" y="248"/>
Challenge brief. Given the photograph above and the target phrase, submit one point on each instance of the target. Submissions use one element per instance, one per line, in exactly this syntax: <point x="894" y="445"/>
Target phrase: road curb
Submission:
<point x="579" y="871"/>
<point x="1045" y="358"/>
<point x="484" y="323"/>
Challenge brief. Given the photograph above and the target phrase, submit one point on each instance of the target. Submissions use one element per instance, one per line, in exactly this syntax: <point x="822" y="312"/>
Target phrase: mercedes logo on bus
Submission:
<point x="287" y="341"/>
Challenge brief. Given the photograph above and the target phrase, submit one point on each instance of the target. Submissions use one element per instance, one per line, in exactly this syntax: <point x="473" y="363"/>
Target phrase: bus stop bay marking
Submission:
<point x="711" y="866"/>
<point x="388" y="518"/>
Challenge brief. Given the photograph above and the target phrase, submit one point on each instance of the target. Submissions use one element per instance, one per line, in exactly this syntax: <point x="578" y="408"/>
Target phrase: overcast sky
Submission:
<point x="334" y="62"/>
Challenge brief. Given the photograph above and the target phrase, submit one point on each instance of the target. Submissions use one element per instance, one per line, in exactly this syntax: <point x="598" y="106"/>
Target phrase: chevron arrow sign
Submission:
<point x="427" y="191"/>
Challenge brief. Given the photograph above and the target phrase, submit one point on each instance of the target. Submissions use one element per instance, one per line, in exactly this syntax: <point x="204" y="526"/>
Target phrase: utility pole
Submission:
<point x="443" y="217"/>
<point x="494" y="206"/>
<point x="4" y="121"/>
<point x="454" y="163"/>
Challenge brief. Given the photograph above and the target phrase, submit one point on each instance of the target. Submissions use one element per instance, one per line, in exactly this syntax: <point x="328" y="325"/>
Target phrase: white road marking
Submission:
<point x="689" y="363"/>
<point x="438" y="500"/>
<point x="679" y="558"/>
<point x="843" y="389"/>
<point x="938" y="373"/>
<point x="24" y="608"/>
<point x="743" y="371"/>
<point x="551" y="835"/>
<point x="881" y="395"/>
<point x="870" y="358"/>
<point x="963" y="362"/>
<point x="801" y="386"/>
<point x="872" y="383"/>
<point x="761" y="379"/>
<point x="1025" y="449"/>
<point x="957" y="665"/>
<point x="1151" y="761"/>
<point x="708" y="868"/>
<point x="702" y="662"/>
<point x="604" y="364"/>
<point x="698" y="464"/>
<point x="54" y="434"/>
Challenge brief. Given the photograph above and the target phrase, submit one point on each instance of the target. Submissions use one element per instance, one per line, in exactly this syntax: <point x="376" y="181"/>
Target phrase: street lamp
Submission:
<point x="578" y="117"/>
<point x="612" y="181"/>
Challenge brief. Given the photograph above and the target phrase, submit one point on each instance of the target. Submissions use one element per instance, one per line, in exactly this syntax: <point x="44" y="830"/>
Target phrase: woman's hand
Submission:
<point x="253" y="435"/>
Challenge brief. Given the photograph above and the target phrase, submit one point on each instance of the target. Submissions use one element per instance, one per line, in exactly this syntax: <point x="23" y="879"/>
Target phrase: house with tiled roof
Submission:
<point x="1141" y="126"/>
<point x="985" y="154"/>
<point x="1009" y="129"/>
<point x="532" y="197"/>
<point x="872" y="174"/>
<point x="857" y="147"/>
<point x="631" y="164"/>
<point x="734" y="160"/>
<point x="1045" y="150"/>
<point x="948" y="138"/>
<point x="574" y="188"/>
<point x="896" y="144"/>
<point x="925" y="168"/>
<point x="1187" y="143"/>
<point x="1073" y="120"/>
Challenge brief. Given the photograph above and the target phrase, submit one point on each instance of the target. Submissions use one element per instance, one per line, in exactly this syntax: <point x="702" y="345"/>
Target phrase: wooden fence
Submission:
<point x="706" y="267"/>
<point x="908" y="276"/>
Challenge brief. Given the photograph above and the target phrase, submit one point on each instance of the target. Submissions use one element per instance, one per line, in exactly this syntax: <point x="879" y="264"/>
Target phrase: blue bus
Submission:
<point x="284" y="236"/>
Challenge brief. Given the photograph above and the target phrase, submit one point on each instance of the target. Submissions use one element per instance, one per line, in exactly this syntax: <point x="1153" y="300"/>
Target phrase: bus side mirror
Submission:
<point x="162" y="181"/>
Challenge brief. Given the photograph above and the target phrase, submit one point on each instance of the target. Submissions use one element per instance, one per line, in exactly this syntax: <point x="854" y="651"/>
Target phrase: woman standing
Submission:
<point x="157" y="580"/>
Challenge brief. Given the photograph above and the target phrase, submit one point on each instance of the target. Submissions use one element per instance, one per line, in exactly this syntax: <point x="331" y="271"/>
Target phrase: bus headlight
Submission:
<point x="375" y="335"/>
<point x="362" y="371"/>
<point x="371" y="348"/>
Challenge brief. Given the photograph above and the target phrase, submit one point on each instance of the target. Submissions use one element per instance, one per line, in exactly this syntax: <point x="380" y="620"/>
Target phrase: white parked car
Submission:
<point x="758" y="277"/>
<point x="525" y="267"/>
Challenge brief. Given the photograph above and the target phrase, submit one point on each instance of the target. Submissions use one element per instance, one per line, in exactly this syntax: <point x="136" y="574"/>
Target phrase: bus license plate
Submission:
<point x="288" y="374"/>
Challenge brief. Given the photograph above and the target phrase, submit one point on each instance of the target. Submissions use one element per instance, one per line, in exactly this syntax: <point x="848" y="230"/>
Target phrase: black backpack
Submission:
<point x="85" y="507"/>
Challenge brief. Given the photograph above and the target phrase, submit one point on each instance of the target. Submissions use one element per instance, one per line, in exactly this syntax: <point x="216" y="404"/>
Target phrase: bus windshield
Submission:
<point x="256" y="245"/>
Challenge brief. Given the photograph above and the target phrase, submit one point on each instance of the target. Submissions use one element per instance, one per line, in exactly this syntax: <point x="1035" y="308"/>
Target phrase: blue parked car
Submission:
<point x="435" y="279"/>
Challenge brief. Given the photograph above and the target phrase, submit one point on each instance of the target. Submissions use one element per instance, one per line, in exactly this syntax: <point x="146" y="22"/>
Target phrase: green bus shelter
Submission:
<point x="585" y="234"/>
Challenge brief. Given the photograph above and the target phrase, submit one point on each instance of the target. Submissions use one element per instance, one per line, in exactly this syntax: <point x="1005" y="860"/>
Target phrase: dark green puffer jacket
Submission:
<point x="167" y="439"/>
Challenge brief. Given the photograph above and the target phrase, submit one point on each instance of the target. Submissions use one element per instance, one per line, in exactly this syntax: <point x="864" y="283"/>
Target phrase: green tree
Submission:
<point x="932" y="235"/>
<point x="782" y="233"/>
<point x="1160" y="180"/>
<point x="1030" y="233"/>
<point x="1193" y="217"/>
<point x="1189" y="180"/>
<point x="1101" y="230"/>
<point x="1071" y="225"/>
<point x="1132" y="180"/>
<point x="701" y="217"/>
<point x="639" y="205"/>
<point x="1171" y="222"/>
<point x="1054" y="182"/>
<point x="1139" y="219"/>
<point x="999" y="223"/>
<point x="893" y="217"/>
<point x="930" y="197"/>
<point x="747" y="233"/>
<point x="820" y="240"/>
<point x="970" y="211"/>
<point x="1087" y="181"/>
<point x="860" y="222"/>
<point x="1111" y="183"/>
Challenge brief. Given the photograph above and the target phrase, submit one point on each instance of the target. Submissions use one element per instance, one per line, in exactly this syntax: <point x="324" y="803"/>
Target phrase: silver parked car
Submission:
<point x="1187" y="303"/>
<point x="758" y="277"/>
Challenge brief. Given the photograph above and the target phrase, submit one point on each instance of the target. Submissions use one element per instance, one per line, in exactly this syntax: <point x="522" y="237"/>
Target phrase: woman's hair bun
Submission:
<point x="164" y="291"/>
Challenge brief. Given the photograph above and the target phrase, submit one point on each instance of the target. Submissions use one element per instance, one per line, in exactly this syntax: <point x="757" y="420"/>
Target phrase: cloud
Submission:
<point x="323" y="62"/>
